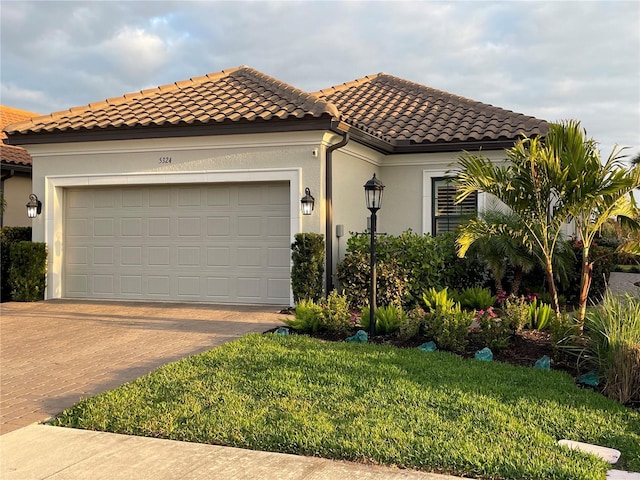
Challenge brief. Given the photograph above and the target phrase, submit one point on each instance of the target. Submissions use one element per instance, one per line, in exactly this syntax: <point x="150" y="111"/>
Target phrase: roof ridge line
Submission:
<point x="420" y="86"/>
<point x="346" y="85"/>
<point x="291" y="89"/>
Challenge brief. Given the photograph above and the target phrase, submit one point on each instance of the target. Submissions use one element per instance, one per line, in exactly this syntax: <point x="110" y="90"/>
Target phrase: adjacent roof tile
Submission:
<point x="401" y="112"/>
<point x="219" y="96"/>
<point x="10" y="154"/>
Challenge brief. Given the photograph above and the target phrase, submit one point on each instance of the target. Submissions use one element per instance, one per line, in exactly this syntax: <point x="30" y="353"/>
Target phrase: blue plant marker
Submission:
<point x="590" y="378"/>
<point x="428" y="347"/>
<point x="284" y="331"/>
<point x="360" y="337"/>
<point x="543" y="363"/>
<point x="485" y="355"/>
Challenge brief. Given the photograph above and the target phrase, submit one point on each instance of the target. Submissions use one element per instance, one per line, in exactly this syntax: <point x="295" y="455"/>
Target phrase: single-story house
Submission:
<point x="15" y="169"/>
<point x="192" y="191"/>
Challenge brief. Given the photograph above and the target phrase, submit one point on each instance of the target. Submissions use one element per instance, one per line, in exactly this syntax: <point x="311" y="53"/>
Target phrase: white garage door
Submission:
<point x="223" y="243"/>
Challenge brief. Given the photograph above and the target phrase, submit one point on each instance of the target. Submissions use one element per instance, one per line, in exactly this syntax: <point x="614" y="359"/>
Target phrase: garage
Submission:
<point x="218" y="243"/>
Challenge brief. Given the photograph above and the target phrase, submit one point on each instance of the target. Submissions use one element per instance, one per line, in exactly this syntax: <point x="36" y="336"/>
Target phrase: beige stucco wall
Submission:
<point x="16" y="194"/>
<point x="293" y="157"/>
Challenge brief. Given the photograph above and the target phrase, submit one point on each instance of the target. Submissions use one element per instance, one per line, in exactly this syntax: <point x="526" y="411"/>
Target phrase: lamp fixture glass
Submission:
<point x="34" y="207"/>
<point x="307" y="202"/>
<point x="373" y="194"/>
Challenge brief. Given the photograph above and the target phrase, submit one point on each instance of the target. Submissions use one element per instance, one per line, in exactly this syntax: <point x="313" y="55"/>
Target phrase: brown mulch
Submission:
<point x="524" y="349"/>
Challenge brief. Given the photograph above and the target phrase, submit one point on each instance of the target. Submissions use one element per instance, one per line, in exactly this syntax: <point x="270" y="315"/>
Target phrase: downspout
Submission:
<point x="329" y="209"/>
<point x="11" y="173"/>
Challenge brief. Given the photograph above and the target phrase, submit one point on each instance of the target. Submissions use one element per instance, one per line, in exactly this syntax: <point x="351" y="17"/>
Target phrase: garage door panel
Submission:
<point x="219" y="243"/>
<point x="103" y="227"/>
<point x="159" y="285"/>
<point x="159" y="227"/>
<point x="159" y="197"/>
<point x="103" y="284"/>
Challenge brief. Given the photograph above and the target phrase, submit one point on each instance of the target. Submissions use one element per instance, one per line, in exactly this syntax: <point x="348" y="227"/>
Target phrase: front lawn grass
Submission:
<point x="370" y="403"/>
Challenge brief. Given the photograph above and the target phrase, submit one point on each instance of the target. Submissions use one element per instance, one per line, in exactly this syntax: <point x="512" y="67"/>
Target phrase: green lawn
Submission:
<point x="368" y="403"/>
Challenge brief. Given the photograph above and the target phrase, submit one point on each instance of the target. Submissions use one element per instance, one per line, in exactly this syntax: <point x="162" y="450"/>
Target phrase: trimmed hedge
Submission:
<point x="407" y="265"/>
<point x="9" y="236"/>
<point x="308" y="266"/>
<point x="27" y="275"/>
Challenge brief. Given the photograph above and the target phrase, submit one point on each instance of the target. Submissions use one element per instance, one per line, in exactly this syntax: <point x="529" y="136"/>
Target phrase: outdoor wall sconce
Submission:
<point x="373" y="195"/>
<point x="307" y="202"/>
<point x="34" y="207"/>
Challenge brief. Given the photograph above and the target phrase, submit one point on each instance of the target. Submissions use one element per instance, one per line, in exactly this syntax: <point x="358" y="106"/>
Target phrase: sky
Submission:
<point x="551" y="60"/>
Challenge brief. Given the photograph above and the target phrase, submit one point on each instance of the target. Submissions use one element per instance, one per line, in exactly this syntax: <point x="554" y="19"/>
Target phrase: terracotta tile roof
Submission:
<point x="10" y="154"/>
<point x="228" y="96"/>
<point x="400" y="114"/>
<point x="405" y="113"/>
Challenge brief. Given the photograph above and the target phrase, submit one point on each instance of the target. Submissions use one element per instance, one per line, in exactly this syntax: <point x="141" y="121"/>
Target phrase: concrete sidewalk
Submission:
<point x="39" y="452"/>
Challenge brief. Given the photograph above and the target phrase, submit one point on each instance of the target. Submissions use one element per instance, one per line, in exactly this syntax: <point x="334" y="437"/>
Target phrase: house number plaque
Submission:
<point x="164" y="160"/>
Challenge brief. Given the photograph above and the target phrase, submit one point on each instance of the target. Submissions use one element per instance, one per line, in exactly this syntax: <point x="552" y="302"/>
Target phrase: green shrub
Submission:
<point x="335" y="313"/>
<point x="27" y="274"/>
<point x="307" y="268"/>
<point x="353" y="273"/>
<point x="449" y="329"/>
<point x="424" y="262"/>
<point x="562" y="328"/>
<point x="613" y="349"/>
<point x="9" y="236"/>
<point x="515" y="312"/>
<point x="389" y="319"/>
<point x="492" y="332"/>
<point x="308" y="317"/>
<point x="476" y="298"/>
<point x="413" y="324"/>
<point x="460" y="273"/>
<point x="627" y="268"/>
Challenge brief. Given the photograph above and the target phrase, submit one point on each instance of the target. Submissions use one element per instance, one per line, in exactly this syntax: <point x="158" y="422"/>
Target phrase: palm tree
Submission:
<point x="531" y="184"/>
<point x="496" y="249"/>
<point x="636" y="160"/>
<point x="595" y="191"/>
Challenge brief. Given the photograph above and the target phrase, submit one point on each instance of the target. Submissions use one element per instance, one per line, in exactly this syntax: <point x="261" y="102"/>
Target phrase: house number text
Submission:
<point x="165" y="160"/>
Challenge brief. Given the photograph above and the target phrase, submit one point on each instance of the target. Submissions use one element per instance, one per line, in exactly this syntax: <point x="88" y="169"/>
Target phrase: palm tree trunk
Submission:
<point x="498" y="281"/>
<point x="552" y="287"/>
<point x="517" y="280"/>
<point x="585" y="284"/>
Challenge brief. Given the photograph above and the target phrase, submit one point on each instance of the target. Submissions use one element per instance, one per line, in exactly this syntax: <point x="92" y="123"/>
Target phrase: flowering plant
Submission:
<point x="494" y="332"/>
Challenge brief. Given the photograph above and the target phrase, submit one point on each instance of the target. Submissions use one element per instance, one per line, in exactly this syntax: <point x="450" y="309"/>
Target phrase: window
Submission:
<point x="446" y="214"/>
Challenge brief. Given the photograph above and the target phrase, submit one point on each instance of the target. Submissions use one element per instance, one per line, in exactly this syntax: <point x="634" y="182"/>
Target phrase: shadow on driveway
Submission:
<point x="55" y="352"/>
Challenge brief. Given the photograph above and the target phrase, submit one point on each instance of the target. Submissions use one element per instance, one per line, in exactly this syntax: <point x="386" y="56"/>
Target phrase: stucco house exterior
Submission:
<point x="15" y="169"/>
<point x="191" y="191"/>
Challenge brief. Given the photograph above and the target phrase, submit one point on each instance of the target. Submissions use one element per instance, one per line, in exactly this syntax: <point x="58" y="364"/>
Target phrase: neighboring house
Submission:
<point x="15" y="167"/>
<point x="191" y="191"/>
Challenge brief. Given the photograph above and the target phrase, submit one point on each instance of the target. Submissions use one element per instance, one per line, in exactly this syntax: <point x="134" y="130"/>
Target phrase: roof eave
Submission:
<point x="16" y="167"/>
<point x="402" y="147"/>
<point x="322" y="122"/>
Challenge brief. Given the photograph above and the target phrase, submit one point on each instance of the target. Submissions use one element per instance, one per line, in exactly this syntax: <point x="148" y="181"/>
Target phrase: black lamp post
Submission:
<point x="373" y="194"/>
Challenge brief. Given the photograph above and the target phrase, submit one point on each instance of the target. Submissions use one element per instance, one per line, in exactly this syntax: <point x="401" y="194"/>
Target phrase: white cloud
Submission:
<point x="553" y="60"/>
<point x="134" y="51"/>
<point x="30" y="100"/>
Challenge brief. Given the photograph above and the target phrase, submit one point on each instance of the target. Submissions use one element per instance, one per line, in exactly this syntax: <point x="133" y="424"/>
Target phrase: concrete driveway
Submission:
<point x="55" y="352"/>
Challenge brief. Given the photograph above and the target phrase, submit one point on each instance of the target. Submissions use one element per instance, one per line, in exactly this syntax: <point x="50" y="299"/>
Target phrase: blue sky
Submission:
<point x="552" y="60"/>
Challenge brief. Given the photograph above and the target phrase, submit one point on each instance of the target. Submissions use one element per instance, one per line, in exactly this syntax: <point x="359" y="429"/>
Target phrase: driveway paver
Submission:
<point x="55" y="352"/>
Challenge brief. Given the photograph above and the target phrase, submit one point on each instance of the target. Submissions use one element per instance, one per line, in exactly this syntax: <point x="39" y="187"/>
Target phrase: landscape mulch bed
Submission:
<point x="525" y="347"/>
